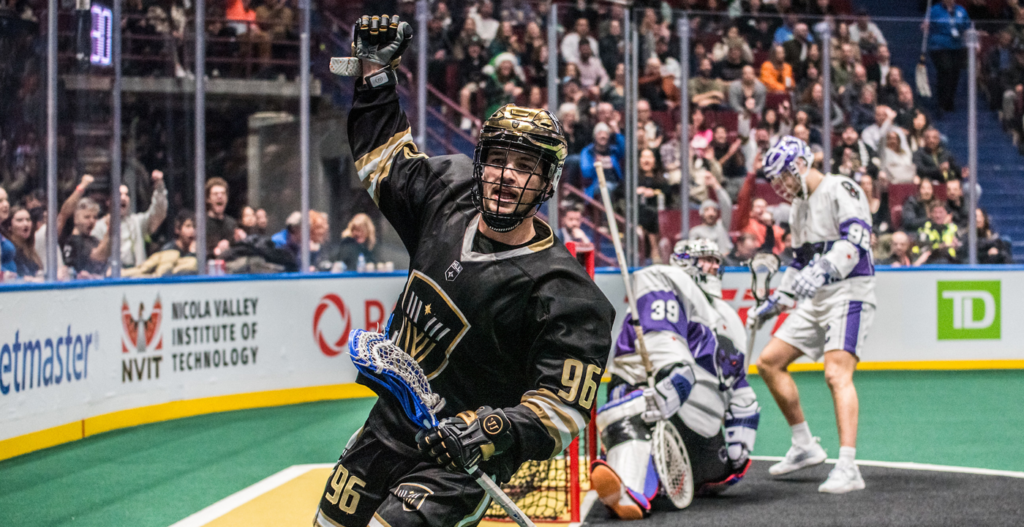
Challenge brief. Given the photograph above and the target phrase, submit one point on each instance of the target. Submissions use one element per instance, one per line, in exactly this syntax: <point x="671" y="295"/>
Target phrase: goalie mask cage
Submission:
<point x="552" y="490"/>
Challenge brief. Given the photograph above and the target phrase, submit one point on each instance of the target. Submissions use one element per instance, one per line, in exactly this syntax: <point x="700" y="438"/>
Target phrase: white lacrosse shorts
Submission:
<point x="820" y="325"/>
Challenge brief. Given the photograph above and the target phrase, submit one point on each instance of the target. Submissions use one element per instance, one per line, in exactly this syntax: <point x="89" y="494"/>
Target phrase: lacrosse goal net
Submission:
<point x="552" y="490"/>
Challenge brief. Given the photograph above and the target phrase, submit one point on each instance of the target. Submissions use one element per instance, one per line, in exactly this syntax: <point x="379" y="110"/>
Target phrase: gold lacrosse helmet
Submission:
<point x="514" y="129"/>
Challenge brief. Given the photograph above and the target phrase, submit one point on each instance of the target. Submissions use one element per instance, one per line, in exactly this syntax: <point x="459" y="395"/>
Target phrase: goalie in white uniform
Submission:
<point x="694" y="340"/>
<point x="833" y="278"/>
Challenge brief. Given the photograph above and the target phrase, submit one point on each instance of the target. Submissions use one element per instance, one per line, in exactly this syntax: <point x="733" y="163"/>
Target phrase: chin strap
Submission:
<point x="499" y="223"/>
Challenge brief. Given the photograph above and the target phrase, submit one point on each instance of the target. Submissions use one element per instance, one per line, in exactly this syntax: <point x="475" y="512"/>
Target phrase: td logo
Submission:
<point x="969" y="310"/>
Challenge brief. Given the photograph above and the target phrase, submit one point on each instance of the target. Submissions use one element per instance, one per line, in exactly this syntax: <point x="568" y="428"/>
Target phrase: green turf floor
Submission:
<point x="155" y="475"/>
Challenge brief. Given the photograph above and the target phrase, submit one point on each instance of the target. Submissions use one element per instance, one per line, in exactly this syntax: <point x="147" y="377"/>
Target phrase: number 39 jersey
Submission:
<point x="682" y="324"/>
<point x="519" y="328"/>
<point x="835" y="223"/>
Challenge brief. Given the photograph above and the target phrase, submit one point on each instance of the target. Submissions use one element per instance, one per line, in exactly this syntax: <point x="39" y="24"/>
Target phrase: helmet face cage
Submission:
<point x="687" y="254"/>
<point x="780" y="165"/>
<point x="533" y="141"/>
<point x="495" y="153"/>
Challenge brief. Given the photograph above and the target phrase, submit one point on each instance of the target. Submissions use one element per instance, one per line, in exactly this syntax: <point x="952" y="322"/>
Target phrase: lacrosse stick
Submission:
<point x="763" y="267"/>
<point x="383" y="362"/>
<point x="671" y="460"/>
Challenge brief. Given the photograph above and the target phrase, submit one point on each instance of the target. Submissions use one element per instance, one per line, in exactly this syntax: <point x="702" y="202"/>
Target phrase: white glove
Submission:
<point x="812" y="277"/>
<point x="664" y="400"/>
<point x="776" y="303"/>
<point x="741" y="432"/>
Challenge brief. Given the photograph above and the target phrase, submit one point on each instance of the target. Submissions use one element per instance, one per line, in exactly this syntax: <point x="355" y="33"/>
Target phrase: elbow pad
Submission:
<point x="843" y="257"/>
<point x="788" y="279"/>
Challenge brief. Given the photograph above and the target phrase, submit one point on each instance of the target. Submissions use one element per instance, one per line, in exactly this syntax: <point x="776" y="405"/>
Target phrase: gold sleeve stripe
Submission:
<point x="383" y="150"/>
<point x="374" y="168"/>
<point x="562" y="421"/>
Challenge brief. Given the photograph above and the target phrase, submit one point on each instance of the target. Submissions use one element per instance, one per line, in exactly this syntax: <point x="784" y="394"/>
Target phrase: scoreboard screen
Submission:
<point x="101" y="35"/>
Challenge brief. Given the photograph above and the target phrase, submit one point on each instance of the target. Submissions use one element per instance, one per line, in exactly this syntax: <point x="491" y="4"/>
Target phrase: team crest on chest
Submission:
<point x="453" y="271"/>
<point x="432" y="324"/>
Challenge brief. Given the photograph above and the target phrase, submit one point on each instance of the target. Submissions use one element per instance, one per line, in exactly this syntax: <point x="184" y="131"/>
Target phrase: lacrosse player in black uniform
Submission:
<point x="505" y="323"/>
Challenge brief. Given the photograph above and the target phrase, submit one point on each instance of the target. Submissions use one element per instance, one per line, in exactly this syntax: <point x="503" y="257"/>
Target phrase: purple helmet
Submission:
<point x="781" y="158"/>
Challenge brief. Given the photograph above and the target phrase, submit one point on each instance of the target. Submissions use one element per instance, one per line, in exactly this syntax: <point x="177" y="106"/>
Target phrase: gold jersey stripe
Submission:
<point x="379" y="152"/>
<point x="562" y="421"/>
<point x="375" y="169"/>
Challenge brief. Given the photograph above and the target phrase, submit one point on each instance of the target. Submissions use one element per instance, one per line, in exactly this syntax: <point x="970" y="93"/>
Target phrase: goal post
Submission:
<point x="552" y="490"/>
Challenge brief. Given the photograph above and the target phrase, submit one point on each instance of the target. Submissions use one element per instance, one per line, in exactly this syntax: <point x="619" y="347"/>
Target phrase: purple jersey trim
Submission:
<point x="651" y="481"/>
<point x="624" y="344"/>
<point x="852" y="326"/>
<point x="748" y="422"/>
<point x="621" y="400"/>
<point x="702" y="344"/>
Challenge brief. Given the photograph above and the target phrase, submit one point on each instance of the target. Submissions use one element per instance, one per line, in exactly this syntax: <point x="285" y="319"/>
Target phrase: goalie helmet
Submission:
<point x="686" y="255"/>
<point x="517" y="143"/>
<point x="782" y="171"/>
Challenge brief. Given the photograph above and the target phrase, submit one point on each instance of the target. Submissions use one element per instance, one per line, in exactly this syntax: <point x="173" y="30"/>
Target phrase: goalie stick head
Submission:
<point x="762" y="267"/>
<point x="392" y="369"/>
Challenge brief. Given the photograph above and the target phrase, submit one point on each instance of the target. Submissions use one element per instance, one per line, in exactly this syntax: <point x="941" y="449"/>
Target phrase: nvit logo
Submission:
<point x="969" y="310"/>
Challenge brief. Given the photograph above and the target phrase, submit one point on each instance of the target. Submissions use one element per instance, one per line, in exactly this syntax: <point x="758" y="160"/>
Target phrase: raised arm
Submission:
<point x="391" y="168"/>
<point x="67" y="209"/>
<point x="157" y="211"/>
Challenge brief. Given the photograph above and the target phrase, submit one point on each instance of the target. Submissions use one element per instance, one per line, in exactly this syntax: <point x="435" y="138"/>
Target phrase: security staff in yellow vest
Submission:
<point x="939" y="237"/>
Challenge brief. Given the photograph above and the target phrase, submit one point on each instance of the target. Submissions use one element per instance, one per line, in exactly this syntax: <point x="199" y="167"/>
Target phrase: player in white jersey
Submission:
<point x="694" y="340"/>
<point x="833" y="280"/>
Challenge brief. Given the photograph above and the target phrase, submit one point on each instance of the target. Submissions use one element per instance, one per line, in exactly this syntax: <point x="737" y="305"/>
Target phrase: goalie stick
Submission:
<point x="763" y="267"/>
<point x="380" y="360"/>
<point x="671" y="460"/>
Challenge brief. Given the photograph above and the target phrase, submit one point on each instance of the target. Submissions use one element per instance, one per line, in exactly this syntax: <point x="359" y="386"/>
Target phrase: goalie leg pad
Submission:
<point x="627" y="441"/>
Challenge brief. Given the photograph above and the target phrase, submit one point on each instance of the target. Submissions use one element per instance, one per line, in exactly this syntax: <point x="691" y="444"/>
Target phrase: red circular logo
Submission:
<point x="326" y="303"/>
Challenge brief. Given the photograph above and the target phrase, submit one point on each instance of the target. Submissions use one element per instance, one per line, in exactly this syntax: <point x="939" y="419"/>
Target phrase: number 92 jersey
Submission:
<point x="835" y="223"/>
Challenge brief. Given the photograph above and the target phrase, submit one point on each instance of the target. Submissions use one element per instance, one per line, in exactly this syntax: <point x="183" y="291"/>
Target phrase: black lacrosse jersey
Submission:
<point x="525" y="329"/>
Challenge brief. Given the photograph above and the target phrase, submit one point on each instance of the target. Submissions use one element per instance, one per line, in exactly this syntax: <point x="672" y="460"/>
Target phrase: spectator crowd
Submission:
<point x="146" y="250"/>
<point x="755" y="74"/>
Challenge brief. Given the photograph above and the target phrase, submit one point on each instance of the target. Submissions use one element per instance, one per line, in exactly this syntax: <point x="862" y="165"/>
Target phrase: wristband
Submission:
<point x="379" y="79"/>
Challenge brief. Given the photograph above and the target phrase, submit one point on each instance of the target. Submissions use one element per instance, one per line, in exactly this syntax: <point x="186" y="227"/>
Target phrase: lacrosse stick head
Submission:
<point x="763" y="267"/>
<point x="672" y="463"/>
<point x="391" y="368"/>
